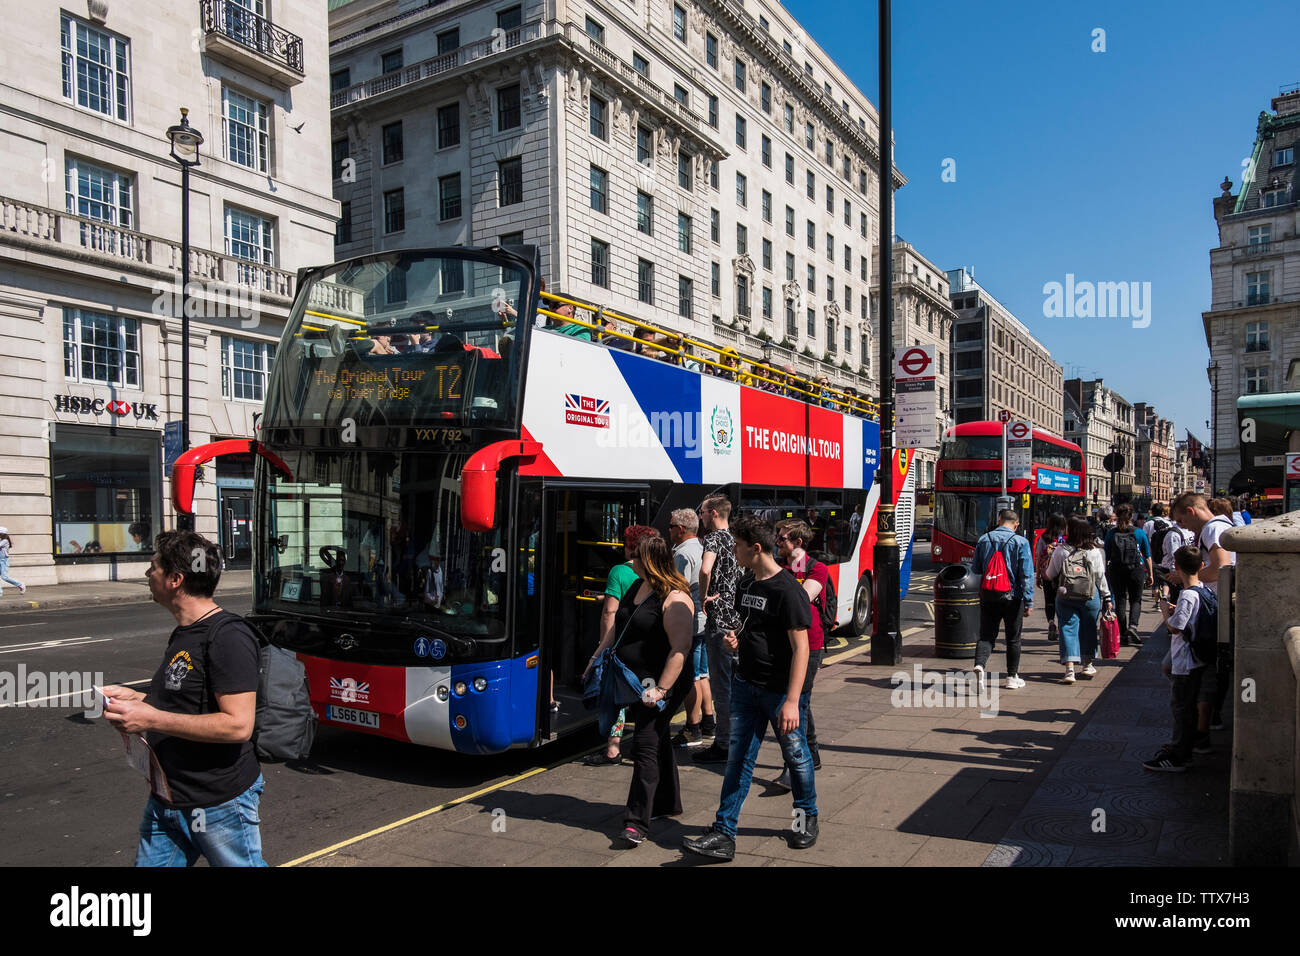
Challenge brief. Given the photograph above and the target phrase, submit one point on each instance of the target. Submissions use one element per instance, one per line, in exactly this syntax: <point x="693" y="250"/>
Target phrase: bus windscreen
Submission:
<point x="403" y="339"/>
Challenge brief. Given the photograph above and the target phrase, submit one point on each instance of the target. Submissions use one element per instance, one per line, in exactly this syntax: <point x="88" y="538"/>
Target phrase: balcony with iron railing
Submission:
<point x="254" y="44"/>
<point x="41" y="229"/>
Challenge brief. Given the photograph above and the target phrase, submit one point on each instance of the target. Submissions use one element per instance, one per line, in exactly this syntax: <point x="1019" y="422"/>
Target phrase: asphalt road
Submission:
<point x="67" y="797"/>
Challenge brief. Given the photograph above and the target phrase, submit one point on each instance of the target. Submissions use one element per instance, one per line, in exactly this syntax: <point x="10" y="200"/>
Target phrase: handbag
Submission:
<point x="1109" y="627"/>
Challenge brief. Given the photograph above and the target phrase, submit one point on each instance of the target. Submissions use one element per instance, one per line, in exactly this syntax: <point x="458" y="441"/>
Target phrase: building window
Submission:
<point x="645" y="213"/>
<point x="830" y="288"/>
<point x="685" y="163"/>
<point x="246" y="130"/>
<point x="599" y="190"/>
<point x="863" y="268"/>
<point x="394" y="211"/>
<point x="249" y="237"/>
<point x="789" y="169"/>
<point x="767" y="206"/>
<point x="645" y="149"/>
<point x="848" y="215"/>
<point x="767" y="301"/>
<point x="681" y="95"/>
<point x="453" y="277"/>
<point x="100" y="348"/>
<point x="808" y="135"/>
<point x="96" y="69"/>
<point x="848" y="258"/>
<point x="810" y="184"/>
<point x="1284" y="156"/>
<point x="449" y="197"/>
<point x="642" y="66"/>
<point x="244" y="366"/>
<point x="830" y="200"/>
<point x="448" y="41"/>
<point x="742" y="190"/>
<point x="715" y="226"/>
<point x="338" y="156"/>
<point x="788" y="117"/>
<point x="862" y="181"/>
<point x="1257" y="337"/>
<point x="810" y="282"/>
<point x="105" y="486"/>
<point x="391" y="137"/>
<point x="343" y="228"/>
<point x="830" y="248"/>
<point x="830" y="334"/>
<point x="391" y="62"/>
<point x="1256" y="380"/>
<point x="789" y="267"/>
<point x="711" y="50"/>
<point x="740" y="75"/>
<point x="791" y="325"/>
<point x="741" y="132"/>
<point x="811" y="234"/>
<point x="598" y="114"/>
<point x="511" y="18"/>
<point x="848" y="346"/>
<point x="508" y="107"/>
<point x="765" y="97"/>
<point x="848" y="171"/>
<point x="679" y="22"/>
<point x="449" y="125"/>
<point x="862" y="225"/>
<point x="1272" y="197"/>
<point x="811" y="316"/>
<point x="765" y="151"/>
<point x="340" y="80"/>
<point x="789" y="221"/>
<point x="715" y="279"/>
<point x="713" y="111"/>
<point x="830" y="153"/>
<point x="104" y="196"/>
<point x="684" y="233"/>
<point x="600" y="263"/>
<point x="742" y="240"/>
<point x="742" y="297"/>
<point x="1259" y="237"/>
<point x="767" y="254"/>
<point x="645" y="281"/>
<point x="1257" y="287"/>
<point x="685" y="297"/>
<point x="595" y="30"/>
<point x="510" y="181"/>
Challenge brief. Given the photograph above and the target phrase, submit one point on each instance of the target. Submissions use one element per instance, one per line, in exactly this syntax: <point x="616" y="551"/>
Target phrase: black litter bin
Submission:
<point x="956" y="611"/>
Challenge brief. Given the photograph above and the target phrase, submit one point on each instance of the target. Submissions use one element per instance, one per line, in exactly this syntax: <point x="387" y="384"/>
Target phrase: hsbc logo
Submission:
<point x="79" y="405"/>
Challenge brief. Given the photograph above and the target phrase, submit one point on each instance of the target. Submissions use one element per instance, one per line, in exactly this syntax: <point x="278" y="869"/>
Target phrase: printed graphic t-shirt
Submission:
<point x="722" y="581"/>
<point x="768" y="611"/>
<point x="205" y="774"/>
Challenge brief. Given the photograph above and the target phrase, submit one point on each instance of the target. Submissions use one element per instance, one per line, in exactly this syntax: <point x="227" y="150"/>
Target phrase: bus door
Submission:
<point x="582" y="537"/>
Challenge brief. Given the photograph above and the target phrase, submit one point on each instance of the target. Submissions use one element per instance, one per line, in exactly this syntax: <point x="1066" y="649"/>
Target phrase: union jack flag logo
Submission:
<point x="585" y="410"/>
<point x="350" y="690"/>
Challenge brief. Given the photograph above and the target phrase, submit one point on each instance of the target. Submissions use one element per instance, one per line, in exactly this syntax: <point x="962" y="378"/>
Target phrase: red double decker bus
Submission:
<point x="968" y="480"/>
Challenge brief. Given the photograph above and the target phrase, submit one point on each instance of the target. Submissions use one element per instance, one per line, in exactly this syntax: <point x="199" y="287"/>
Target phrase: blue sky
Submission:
<point x="1103" y="165"/>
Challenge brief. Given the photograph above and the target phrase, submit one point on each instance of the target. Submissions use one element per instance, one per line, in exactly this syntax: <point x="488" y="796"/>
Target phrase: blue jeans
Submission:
<point x="4" y="574"/>
<point x="752" y="709"/>
<point x="227" y="834"/>
<point x="1078" y="628"/>
<point x="699" y="658"/>
<point x="722" y="666"/>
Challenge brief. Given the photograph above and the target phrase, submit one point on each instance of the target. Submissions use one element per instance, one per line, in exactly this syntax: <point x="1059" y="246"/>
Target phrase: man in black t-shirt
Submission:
<point x="772" y="642"/>
<point x="197" y="717"/>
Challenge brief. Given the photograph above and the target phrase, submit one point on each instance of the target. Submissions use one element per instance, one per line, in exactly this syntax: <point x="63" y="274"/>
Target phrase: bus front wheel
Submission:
<point x="862" y="602"/>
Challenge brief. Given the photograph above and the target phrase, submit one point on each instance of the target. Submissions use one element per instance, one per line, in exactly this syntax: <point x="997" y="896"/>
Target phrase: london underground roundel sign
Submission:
<point x="1019" y="430"/>
<point x="914" y="362"/>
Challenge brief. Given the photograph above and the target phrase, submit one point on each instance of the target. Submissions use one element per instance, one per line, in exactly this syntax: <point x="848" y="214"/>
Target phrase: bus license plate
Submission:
<point x="350" y="715"/>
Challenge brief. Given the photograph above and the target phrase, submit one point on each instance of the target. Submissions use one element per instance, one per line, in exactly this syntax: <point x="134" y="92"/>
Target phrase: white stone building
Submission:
<point x="90" y="260"/>
<point x="1100" y="420"/>
<point x="704" y="166"/>
<point x="1252" y="327"/>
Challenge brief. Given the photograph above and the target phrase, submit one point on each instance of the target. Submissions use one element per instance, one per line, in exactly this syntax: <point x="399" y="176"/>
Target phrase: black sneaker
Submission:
<point x="688" y="737"/>
<point x="803" y="839"/>
<point x="817" y="759"/>
<point x="633" y="835"/>
<point x="1165" y="762"/>
<point x="714" y="844"/>
<point x="710" y="754"/>
<point x="1202" y="744"/>
<point x="709" y="726"/>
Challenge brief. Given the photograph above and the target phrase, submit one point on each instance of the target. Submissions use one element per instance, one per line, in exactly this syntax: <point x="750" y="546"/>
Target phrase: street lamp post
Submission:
<point x="1212" y="370"/>
<point x="886" y="641"/>
<point x="185" y="150"/>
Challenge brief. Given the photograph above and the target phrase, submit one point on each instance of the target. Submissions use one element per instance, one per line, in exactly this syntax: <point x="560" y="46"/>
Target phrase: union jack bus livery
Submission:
<point x="443" y="483"/>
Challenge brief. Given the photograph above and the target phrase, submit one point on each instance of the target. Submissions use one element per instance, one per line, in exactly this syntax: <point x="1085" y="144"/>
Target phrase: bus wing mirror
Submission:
<point x="186" y="466"/>
<point x="478" y="481"/>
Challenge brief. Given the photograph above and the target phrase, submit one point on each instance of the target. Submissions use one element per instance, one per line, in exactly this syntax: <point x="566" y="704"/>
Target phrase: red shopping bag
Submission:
<point x="1109" y="627"/>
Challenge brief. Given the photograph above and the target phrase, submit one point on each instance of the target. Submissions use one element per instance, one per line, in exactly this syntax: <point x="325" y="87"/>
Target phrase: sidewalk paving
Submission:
<point x="104" y="593"/>
<point x="900" y="786"/>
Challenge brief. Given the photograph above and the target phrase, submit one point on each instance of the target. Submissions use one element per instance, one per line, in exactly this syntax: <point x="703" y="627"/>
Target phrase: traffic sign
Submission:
<point x="1020" y="451"/>
<point x="171" y="446"/>
<point x="1004" y="416"/>
<point x="1114" y="461"/>
<point x="1019" y="431"/>
<point x="915" y="398"/>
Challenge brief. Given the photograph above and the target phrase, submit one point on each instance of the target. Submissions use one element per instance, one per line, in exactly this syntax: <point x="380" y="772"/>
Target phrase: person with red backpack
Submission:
<point x="792" y="537"/>
<point x="1005" y="564"/>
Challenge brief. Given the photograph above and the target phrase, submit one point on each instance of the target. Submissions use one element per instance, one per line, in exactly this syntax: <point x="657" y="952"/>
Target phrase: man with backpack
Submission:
<point x="792" y="536"/>
<point x="1005" y="564"/>
<point x="1193" y="646"/>
<point x="197" y="717"/>
<point x="1128" y="568"/>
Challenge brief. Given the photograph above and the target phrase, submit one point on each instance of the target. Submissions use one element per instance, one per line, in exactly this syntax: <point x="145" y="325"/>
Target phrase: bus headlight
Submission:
<point x="480" y="684"/>
<point x="459" y="688"/>
<point x="442" y="694"/>
<point x="938" y="550"/>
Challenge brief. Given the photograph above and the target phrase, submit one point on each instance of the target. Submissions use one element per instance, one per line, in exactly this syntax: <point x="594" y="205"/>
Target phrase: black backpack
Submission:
<point x="1205" y="642"/>
<point x="1158" y="534"/>
<point x="1125" y="554"/>
<point x="830" y="605"/>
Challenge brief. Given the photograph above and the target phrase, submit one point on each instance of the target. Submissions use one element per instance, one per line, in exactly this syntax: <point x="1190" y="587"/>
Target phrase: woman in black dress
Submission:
<point x="656" y="620"/>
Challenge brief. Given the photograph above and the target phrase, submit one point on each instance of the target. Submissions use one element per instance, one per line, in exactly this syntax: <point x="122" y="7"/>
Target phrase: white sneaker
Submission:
<point x="1068" y="678"/>
<point x="22" y="589"/>
<point x="1089" y="671"/>
<point x="979" y="675"/>
<point x="1015" y="683"/>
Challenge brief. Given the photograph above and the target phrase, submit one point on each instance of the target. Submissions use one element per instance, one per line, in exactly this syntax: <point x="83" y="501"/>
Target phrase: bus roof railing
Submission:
<point x="728" y="360"/>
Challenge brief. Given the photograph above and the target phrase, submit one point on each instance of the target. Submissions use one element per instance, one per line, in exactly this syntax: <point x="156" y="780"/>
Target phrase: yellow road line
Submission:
<point x="864" y="647"/>
<point x="426" y="813"/>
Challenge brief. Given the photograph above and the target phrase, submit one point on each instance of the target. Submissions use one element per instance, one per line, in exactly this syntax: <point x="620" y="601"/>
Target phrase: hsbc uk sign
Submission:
<point x="80" y="405"/>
